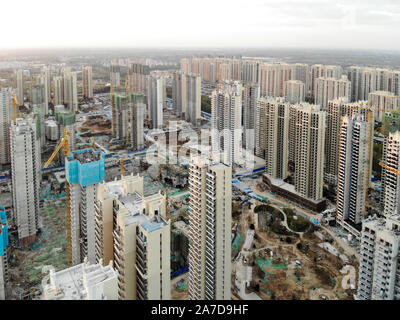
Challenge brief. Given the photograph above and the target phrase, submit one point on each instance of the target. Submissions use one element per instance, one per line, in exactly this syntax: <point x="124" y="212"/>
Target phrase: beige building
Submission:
<point x="309" y="137"/>
<point x="20" y="83"/>
<point x="87" y="86"/>
<point x="294" y="91"/>
<point x="327" y="89"/>
<point x="210" y="230"/>
<point x="383" y="101"/>
<point x="275" y="124"/>
<point x="134" y="230"/>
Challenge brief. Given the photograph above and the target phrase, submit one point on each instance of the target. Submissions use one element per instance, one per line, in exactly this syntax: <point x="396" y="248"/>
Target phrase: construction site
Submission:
<point x="272" y="261"/>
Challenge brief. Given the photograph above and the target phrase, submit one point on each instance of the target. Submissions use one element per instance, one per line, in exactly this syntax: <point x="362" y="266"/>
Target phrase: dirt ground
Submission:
<point x="318" y="276"/>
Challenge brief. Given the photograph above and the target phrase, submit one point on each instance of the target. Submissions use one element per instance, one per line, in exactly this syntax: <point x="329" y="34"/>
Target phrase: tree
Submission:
<point x="206" y="104"/>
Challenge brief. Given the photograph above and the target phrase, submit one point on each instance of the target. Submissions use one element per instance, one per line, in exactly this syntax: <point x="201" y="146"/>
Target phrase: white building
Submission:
<point x="84" y="281"/>
<point x="226" y="122"/>
<point x="250" y="94"/>
<point x="353" y="172"/>
<point x="378" y="276"/>
<point x="6" y="113"/>
<point x="70" y="93"/>
<point x="156" y="100"/>
<point x="137" y="110"/>
<point x="26" y="177"/>
<point x="210" y="230"/>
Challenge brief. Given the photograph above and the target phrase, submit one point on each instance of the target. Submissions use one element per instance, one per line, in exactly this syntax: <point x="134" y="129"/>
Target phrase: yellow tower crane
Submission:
<point x="65" y="145"/>
<point x="122" y="164"/>
<point x="393" y="170"/>
<point x="14" y="106"/>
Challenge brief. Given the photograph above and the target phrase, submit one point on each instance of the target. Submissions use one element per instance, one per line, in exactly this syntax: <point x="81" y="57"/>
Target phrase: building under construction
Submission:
<point x="84" y="170"/>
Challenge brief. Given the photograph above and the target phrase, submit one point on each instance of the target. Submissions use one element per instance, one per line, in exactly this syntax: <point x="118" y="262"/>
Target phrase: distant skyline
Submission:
<point x="324" y="24"/>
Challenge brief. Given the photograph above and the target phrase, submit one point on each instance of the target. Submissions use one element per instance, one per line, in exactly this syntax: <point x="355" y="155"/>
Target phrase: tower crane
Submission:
<point x="65" y="145"/>
<point x="393" y="170"/>
<point x="14" y="106"/>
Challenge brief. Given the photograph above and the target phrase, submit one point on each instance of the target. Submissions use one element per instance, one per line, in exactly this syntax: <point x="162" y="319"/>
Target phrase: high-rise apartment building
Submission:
<point x="134" y="230"/>
<point x="20" y="83"/>
<point x="115" y="76"/>
<point x="391" y="181"/>
<point x="192" y="98"/>
<point x="379" y="259"/>
<point x="272" y="77"/>
<point x="323" y="71"/>
<point x="137" y="77"/>
<point x="119" y="110"/>
<point x="354" y="157"/>
<point x="156" y="100"/>
<point x="250" y="95"/>
<point x="84" y="170"/>
<point x="276" y="121"/>
<point x="6" y="113"/>
<point x="294" y="91"/>
<point x="309" y="135"/>
<point x="327" y="89"/>
<point x="210" y="221"/>
<point x="249" y="71"/>
<point x="87" y="86"/>
<point x="45" y="77"/>
<point x="337" y="109"/>
<point x="383" y="101"/>
<point x="137" y="109"/>
<point x="301" y="72"/>
<point x="185" y="65"/>
<point x="178" y="95"/>
<point x="70" y="94"/>
<point x="26" y="177"/>
<point x="390" y="124"/>
<point x="58" y="90"/>
<point x="226" y="122"/>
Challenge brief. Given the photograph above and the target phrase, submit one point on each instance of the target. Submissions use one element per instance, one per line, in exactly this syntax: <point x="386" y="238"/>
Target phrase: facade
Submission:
<point x="379" y="263"/>
<point x="43" y="81"/>
<point x="6" y="113"/>
<point x="250" y="94"/>
<point x="276" y="113"/>
<point x="249" y="71"/>
<point x="20" y="79"/>
<point x="318" y="71"/>
<point x="192" y="98"/>
<point x="70" y="94"/>
<point x="210" y="231"/>
<point x="301" y="72"/>
<point x="226" y="121"/>
<point x="134" y="230"/>
<point x="272" y="78"/>
<point x="84" y="170"/>
<point x="294" y="91"/>
<point x="309" y="145"/>
<point x="58" y="90"/>
<point x="137" y="110"/>
<point x="115" y="76"/>
<point x="353" y="172"/>
<point x="137" y="77"/>
<point x="26" y="177"/>
<point x="119" y="121"/>
<point x="156" y="100"/>
<point x="178" y="97"/>
<point x="391" y="181"/>
<point x="84" y="281"/>
<point x="327" y="89"/>
<point x="337" y="109"/>
<point x="383" y="101"/>
<point x="87" y="85"/>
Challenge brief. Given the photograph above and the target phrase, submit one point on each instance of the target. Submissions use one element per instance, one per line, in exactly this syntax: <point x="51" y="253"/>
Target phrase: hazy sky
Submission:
<point x="358" y="24"/>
